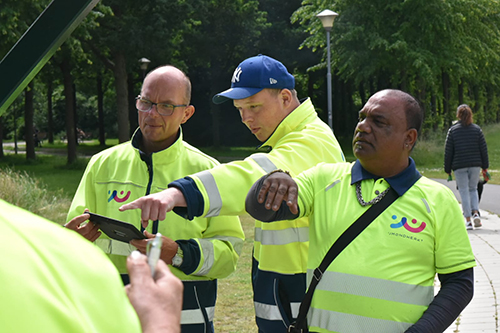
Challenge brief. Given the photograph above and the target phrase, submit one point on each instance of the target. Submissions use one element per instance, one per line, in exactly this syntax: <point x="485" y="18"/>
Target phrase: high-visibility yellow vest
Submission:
<point x="383" y="281"/>
<point x="119" y="175"/>
<point x="53" y="280"/>
<point x="299" y="142"/>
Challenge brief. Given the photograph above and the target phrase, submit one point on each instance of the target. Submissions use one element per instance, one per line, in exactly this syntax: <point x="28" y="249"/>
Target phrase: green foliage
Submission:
<point x="411" y="44"/>
<point x="442" y="52"/>
<point x="26" y="192"/>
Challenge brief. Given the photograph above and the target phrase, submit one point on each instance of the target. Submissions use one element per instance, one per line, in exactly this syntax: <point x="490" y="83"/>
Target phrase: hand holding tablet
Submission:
<point x="121" y="231"/>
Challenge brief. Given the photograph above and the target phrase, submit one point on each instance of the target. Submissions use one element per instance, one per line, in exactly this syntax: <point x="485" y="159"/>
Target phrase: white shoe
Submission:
<point x="477" y="220"/>
<point x="468" y="225"/>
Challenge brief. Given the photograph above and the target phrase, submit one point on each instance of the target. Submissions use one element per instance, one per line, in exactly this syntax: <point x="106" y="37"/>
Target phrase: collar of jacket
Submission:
<point x="298" y="116"/>
<point x="400" y="182"/>
<point x="165" y="156"/>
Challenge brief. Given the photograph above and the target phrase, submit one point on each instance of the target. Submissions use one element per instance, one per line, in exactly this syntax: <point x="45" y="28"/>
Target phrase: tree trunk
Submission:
<point x="100" y="110"/>
<point x="132" y="111"/>
<point x="70" y="120"/>
<point x="434" y="112"/>
<point x="362" y="93"/>
<point x="28" y="121"/>
<point x="75" y="115"/>
<point x="1" y="137"/>
<point x="446" y="99"/>
<point x="461" y="92"/>
<point x="337" y="94"/>
<point x="403" y="81"/>
<point x="490" y="95"/>
<point x="477" y="99"/>
<point x="214" y="113"/>
<point x="120" y="73"/>
<point x="50" y="118"/>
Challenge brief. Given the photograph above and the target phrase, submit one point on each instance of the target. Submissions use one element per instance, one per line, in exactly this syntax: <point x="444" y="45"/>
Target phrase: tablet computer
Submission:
<point x="121" y="231"/>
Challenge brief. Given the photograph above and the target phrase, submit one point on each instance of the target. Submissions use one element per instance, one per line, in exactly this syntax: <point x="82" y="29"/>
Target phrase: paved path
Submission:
<point x="482" y="313"/>
<point x="490" y="199"/>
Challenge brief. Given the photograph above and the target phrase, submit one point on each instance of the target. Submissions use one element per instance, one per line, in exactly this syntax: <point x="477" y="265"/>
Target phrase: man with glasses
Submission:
<point x="293" y="138"/>
<point x="201" y="250"/>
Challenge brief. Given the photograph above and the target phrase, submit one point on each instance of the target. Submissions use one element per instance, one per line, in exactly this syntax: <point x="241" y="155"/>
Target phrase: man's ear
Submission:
<point x="411" y="137"/>
<point x="188" y="113"/>
<point x="286" y="97"/>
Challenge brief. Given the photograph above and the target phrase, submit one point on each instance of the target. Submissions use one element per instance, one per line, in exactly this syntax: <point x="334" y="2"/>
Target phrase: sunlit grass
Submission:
<point x="234" y="311"/>
<point x="27" y="192"/>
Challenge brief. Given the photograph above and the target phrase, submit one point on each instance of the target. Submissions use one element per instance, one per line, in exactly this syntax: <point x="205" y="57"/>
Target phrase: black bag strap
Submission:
<point x="340" y="244"/>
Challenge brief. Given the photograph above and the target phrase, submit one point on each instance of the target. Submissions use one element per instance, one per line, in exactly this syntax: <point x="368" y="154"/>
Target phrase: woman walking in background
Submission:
<point x="466" y="154"/>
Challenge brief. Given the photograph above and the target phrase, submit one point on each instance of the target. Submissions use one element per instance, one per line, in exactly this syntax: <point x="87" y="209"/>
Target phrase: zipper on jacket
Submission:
<point x="148" y="159"/>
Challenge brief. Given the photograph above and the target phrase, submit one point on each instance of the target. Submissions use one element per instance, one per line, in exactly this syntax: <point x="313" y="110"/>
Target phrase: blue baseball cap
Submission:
<point x="253" y="75"/>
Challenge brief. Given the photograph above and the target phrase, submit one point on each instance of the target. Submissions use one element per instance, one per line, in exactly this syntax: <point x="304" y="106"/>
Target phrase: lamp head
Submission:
<point x="327" y="16"/>
<point x="144" y="63"/>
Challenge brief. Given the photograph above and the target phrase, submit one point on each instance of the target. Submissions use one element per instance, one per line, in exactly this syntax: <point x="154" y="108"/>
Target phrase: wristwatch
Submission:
<point x="178" y="258"/>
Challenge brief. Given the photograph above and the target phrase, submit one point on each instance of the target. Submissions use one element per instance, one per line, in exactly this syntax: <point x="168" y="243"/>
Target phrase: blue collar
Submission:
<point x="400" y="182"/>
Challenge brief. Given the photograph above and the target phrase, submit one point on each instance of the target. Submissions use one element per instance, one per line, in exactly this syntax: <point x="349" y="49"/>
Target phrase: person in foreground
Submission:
<point x="293" y="137"/>
<point x="52" y="280"/>
<point x="466" y="153"/>
<point x="383" y="281"/>
<point x="200" y="251"/>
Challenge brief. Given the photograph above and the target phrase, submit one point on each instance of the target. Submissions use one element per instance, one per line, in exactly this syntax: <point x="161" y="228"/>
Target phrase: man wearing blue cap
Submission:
<point x="294" y="139"/>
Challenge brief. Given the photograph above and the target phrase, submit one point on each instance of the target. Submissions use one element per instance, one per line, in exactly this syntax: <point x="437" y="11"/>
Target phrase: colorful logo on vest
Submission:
<point x="404" y="223"/>
<point x="115" y="196"/>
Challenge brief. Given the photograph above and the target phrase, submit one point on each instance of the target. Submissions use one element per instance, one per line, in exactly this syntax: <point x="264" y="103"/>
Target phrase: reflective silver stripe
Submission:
<point x="210" y="185"/>
<point x="195" y="316"/>
<point x="207" y="248"/>
<point x="295" y="309"/>
<point x="426" y="205"/>
<point x="212" y="191"/>
<point x="375" y="288"/>
<point x="264" y="162"/>
<point x="281" y="237"/>
<point x="112" y="246"/>
<point x="332" y="185"/>
<point x="349" y="323"/>
<point x="271" y="312"/>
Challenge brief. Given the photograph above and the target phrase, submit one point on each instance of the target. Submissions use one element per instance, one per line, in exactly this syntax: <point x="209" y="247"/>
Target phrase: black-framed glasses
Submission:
<point x="164" y="109"/>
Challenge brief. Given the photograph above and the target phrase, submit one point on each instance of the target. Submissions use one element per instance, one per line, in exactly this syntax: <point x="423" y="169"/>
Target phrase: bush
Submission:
<point x="20" y="189"/>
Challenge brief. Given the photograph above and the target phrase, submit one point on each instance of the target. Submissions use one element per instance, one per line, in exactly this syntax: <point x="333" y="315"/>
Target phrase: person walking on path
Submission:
<point x="466" y="154"/>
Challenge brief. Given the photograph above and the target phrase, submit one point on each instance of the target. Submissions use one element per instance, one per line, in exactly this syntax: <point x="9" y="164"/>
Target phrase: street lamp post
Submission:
<point x="327" y="16"/>
<point x="144" y="66"/>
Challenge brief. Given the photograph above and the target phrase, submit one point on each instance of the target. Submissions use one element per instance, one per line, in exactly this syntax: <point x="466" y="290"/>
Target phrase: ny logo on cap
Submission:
<point x="236" y="75"/>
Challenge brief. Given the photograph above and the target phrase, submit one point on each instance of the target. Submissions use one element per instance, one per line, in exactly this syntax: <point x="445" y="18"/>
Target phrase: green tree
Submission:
<point x="425" y="47"/>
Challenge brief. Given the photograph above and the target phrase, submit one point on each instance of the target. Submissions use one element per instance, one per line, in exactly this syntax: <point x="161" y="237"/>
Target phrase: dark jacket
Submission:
<point x="465" y="147"/>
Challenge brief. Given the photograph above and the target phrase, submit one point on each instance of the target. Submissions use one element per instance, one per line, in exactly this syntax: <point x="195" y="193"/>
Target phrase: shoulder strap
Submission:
<point x="340" y="244"/>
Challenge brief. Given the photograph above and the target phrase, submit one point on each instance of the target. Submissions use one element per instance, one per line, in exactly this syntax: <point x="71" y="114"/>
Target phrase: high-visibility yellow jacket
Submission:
<point x="53" y="280"/>
<point x="299" y="142"/>
<point x="123" y="173"/>
<point x="384" y="280"/>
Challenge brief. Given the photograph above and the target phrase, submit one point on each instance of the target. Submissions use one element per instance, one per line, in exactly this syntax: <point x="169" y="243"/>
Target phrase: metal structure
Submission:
<point x="38" y="44"/>
<point x="327" y="16"/>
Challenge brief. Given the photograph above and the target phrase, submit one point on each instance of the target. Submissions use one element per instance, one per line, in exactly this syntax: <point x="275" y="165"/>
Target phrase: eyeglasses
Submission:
<point x="164" y="109"/>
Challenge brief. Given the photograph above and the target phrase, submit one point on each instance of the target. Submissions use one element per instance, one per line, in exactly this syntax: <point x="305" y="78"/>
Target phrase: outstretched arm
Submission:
<point x="155" y="206"/>
<point x="273" y="198"/>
